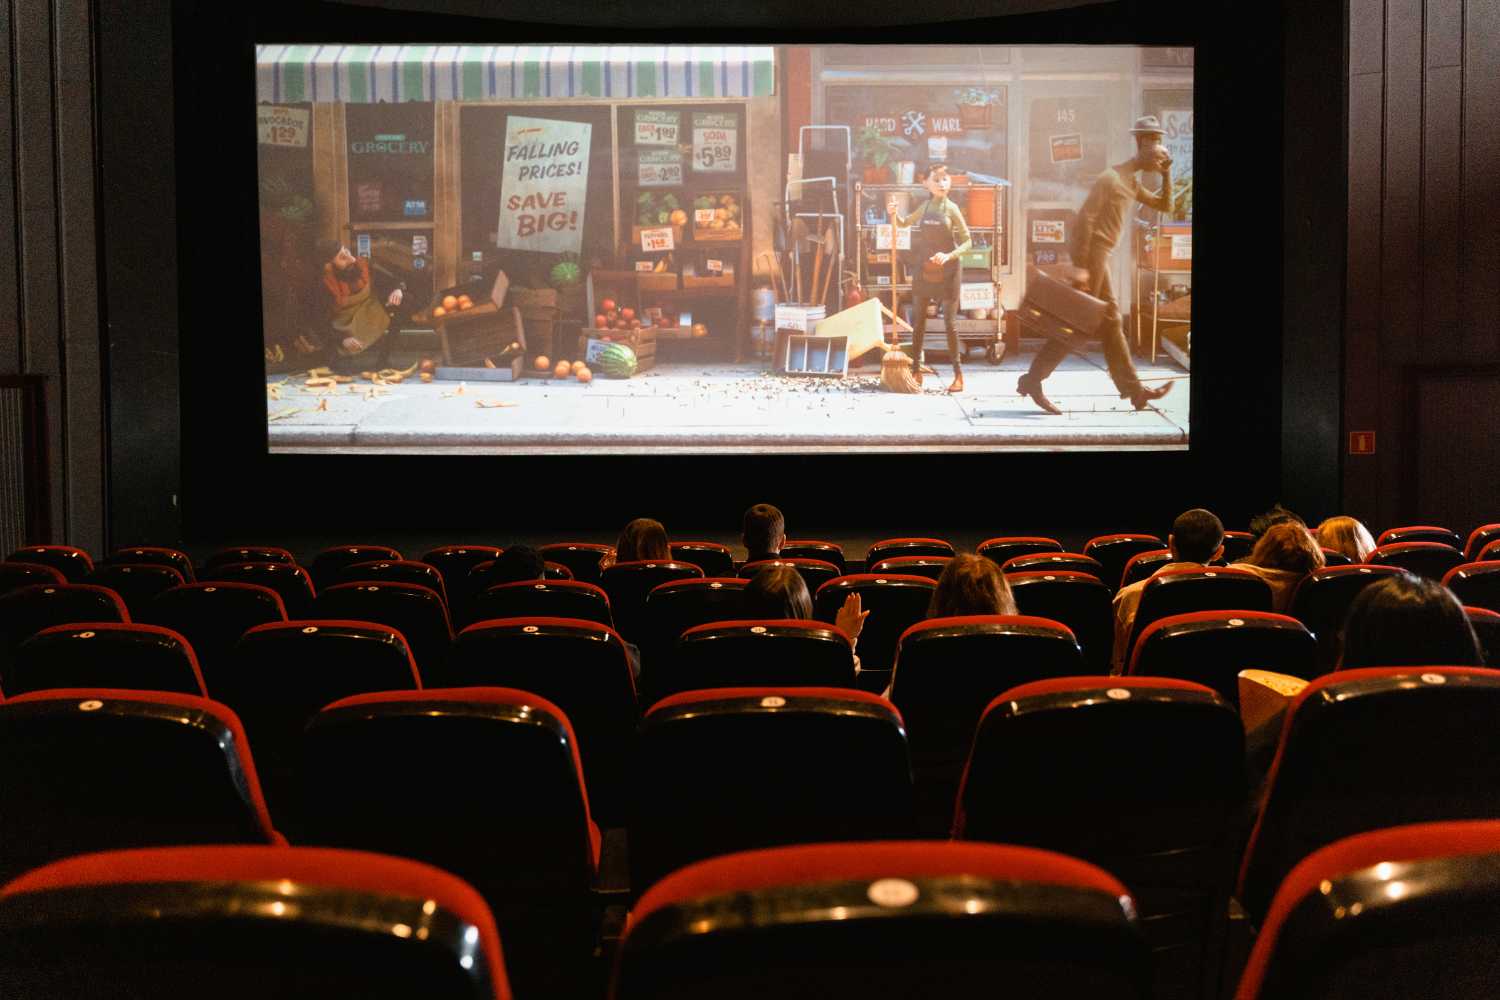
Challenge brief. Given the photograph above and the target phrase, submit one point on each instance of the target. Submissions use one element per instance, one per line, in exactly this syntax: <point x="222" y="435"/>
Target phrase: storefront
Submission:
<point x="442" y="164"/>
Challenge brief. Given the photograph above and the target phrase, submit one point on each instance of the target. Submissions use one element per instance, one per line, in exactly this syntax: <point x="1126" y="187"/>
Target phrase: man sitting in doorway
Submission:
<point x="357" y="318"/>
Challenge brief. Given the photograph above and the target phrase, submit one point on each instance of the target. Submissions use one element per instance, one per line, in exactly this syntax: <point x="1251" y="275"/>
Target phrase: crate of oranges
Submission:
<point x="463" y="303"/>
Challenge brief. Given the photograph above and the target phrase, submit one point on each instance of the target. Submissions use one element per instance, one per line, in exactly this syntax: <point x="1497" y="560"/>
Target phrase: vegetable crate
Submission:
<point x="642" y="342"/>
<point x="717" y="216"/>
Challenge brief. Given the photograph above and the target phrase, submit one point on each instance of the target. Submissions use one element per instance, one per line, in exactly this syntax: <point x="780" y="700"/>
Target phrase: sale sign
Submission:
<point x="1178" y="139"/>
<point x="715" y="142"/>
<point x="544" y="183"/>
<point x="660" y="168"/>
<point x="281" y="126"/>
<point x="657" y="128"/>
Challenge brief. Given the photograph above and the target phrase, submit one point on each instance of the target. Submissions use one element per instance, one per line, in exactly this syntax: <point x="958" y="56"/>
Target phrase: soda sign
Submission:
<point x="715" y="143"/>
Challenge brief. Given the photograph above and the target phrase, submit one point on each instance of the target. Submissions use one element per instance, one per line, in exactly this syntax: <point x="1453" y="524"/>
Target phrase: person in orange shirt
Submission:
<point x="358" y="319"/>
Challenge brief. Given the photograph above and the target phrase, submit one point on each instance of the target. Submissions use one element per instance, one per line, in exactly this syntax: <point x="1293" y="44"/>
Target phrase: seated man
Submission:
<point x="764" y="532"/>
<point x="1197" y="539"/>
<point x="358" y="319"/>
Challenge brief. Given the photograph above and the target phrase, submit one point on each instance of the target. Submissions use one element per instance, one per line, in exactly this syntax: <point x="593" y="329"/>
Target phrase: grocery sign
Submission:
<point x="281" y="126"/>
<point x="544" y="183"/>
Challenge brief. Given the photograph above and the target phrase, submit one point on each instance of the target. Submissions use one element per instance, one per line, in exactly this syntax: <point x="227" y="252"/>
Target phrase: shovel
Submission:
<point x="799" y="235"/>
<point x="819" y="289"/>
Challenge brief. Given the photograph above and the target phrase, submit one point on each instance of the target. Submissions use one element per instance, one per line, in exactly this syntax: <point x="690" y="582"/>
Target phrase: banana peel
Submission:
<point x="283" y="414"/>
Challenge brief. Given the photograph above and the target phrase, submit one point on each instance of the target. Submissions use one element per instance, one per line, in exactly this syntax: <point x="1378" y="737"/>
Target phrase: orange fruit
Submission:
<point x="584" y="375"/>
<point x="563" y="370"/>
<point x="578" y="366"/>
<point x="438" y="312"/>
<point x="541" y="364"/>
<point x="450" y="302"/>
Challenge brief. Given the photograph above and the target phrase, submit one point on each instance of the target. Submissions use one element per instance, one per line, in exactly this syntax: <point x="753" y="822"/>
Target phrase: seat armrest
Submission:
<point x="613" y="880"/>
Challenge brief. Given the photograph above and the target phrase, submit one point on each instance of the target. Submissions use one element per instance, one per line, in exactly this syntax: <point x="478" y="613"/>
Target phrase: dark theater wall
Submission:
<point x="1422" y="341"/>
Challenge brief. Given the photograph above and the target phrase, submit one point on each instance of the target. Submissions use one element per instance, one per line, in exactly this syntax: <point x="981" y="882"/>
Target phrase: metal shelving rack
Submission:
<point x="986" y="333"/>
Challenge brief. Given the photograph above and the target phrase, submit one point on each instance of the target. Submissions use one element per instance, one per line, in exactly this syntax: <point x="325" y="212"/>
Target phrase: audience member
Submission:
<point x="1345" y="535"/>
<point x="764" y="532"/>
<point x="641" y="539"/>
<point x="515" y="565"/>
<point x="1196" y="539"/>
<point x="971" y="585"/>
<point x="1282" y="557"/>
<point x="1276" y="515"/>
<point x="780" y="592"/>
<point x="1408" y="621"/>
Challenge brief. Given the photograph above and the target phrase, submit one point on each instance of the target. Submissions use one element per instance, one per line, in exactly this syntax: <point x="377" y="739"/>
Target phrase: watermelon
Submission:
<point x="616" y="361"/>
<point x="565" y="274"/>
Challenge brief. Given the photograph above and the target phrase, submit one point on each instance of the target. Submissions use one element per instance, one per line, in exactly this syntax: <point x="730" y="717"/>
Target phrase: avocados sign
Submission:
<point x="544" y="183"/>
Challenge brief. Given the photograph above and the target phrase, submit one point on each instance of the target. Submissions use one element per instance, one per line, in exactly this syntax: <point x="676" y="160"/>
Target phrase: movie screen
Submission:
<point x="562" y="249"/>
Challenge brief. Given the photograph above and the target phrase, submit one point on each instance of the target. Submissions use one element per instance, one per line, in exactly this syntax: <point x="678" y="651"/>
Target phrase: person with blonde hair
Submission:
<point x="971" y="585"/>
<point x="640" y="540"/>
<point x="1345" y="535"/>
<point x="1282" y="557"/>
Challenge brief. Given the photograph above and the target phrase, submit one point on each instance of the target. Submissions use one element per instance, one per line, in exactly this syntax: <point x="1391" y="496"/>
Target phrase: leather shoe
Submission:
<point x="1144" y="397"/>
<point x="958" y="382"/>
<point x="1026" y="387"/>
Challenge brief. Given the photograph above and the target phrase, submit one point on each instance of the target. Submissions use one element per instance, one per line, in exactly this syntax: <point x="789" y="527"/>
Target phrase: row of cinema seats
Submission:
<point x="1137" y="784"/>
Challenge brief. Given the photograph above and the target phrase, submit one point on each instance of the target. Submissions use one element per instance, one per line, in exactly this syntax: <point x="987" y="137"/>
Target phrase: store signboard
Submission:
<point x="976" y="295"/>
<point x="1047" y="231"/>
<point x="1179" y="140"/>
<point x="370" y="196"/>
<point x="716" y="142"/>
<point x="659" y="168"/>
<point x="278" y="126"/>
<point x="937" y="147"/>
<point x="914" y="123"/>
<point x="657" y="128"/>
<point x="544" y="184"/>
<point x="1182" y="246"/>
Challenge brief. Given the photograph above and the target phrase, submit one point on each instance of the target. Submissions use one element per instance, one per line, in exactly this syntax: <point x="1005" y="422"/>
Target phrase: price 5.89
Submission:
<point x="709" y="156"/>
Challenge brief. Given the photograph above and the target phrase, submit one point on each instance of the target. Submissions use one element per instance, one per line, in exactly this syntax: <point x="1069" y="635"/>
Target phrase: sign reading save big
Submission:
<point x="544" y="183"/>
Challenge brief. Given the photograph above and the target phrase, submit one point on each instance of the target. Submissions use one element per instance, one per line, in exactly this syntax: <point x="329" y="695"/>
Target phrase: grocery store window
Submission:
<point x="390" y="162"/>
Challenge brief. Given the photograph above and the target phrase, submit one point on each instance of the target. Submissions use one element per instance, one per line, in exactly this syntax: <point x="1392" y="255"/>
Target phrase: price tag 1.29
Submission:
<point x="657" y="240"/>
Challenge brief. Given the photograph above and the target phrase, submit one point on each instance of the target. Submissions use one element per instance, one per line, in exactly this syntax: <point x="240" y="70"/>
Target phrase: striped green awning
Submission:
<point x="365" y="74"/>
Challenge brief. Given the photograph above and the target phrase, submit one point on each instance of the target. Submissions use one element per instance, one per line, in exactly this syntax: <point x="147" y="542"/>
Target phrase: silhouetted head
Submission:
<point x="776" y="592"/>
<point x="1408" y="621"/>
<point x="1197" y="536"/>
<point x="643" y="538"/>
<point x="971" y="585"/>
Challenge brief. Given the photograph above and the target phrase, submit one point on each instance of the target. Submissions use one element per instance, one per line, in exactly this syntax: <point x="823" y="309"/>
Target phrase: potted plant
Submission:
<point x="875" y="150"/>
<point x="974" y="105"/>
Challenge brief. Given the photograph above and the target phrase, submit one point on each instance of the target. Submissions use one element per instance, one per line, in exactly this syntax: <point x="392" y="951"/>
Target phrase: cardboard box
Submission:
<point x="488" y="306"/>
<point x="798" y="316"/>
<point x="642" y="342"/>
<point x="516" y="368"/>
<point x="692" y="279"/>
<point x="656" y="281"/>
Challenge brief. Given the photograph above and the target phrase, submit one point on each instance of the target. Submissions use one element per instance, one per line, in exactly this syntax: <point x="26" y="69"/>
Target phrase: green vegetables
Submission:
<point x="655" y="209"/>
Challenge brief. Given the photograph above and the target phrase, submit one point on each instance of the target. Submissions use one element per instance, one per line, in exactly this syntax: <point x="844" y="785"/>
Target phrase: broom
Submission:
<point x="895" y="365"/>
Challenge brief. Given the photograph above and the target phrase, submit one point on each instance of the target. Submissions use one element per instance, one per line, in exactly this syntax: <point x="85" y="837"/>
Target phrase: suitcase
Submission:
<point x="1057" y="310"/>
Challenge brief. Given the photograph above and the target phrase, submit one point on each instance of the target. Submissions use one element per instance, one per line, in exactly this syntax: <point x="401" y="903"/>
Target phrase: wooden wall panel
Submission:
<point x="1455" y="427"/>
<point x="1401" y="207"/>
<point x="1481" y="173"/>
<point x="1442" y="230"/>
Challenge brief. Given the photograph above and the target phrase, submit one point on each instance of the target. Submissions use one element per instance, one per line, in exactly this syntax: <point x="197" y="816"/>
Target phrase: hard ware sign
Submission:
<point x="543" y="184"/>
<point x="715" y="142"/>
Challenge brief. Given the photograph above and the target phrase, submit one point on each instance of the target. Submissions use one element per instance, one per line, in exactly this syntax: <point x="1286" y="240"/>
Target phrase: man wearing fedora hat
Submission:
<point x="1096" y="233"/>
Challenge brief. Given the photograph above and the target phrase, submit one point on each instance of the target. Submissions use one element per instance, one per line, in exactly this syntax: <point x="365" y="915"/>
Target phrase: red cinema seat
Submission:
<point x="1332" y="557"/>
<point x="947" y="671"/>
<point x="15" y="575"/>
<point x="1009" y="546"/>
<point x="581" y="667"/>
<point x="1078" y="600"/>
<point x="1429" y="559"/>
<point x="249" y="553"/>
<point x="1114" y="551"/>
<point x="1143" y="564"/>
<point x="1054" y="562"/>
<point x="628" y="583"/>
<point x="544" y="599"/>
<point x="456" y="562"/>
<point x="290" y="581"/>
<point x="1143" y="776"/>
<point x="790" y="652"/>
<point x="713" y="558"/>
<point x="895" y="603"/>
<point x="1410" y="911"/>
<point x="395" y="571"/>
<point x="213" y="616"/>
<point x="28" y="610"/>
<point x="888" y="548"/>
<point x="1369" y="748"/>
<point x="1479" y="538"/>
<point x="672" y="609"/>
<point x="91" y="769"/>
<point x="69" y="560"/>
<point x="929" y="566"/>
<point x="1212" y="647"/>
<point x="483" y="782"/>
<point x="106" y="655"/>
<point x="556" y="571"/>
<point x="1491" y="550"/>
<point x="243" y="923"/>
<point x="885" y="921"/>
<point x="814" y="572"/>
<point x="812" y="548"/>
<point x="1181" y="591"/>
<point x="417" y="612"/>
<point x="830" y="764"/>
<point x="1237" y="545"/>
<point x="282" y="673"/>
<point x="152" y="555"/>
<point x="1420" y="533"/>
<point x="328" y="564"/>
<point x="1322" y="602"/>
<point x="580" y="557"/>
<point x="138" y="584"/>
<point x="1477" y="584"/>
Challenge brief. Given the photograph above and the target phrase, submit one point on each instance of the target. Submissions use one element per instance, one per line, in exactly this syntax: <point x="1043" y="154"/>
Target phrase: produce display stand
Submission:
<point x="879" y="273"/>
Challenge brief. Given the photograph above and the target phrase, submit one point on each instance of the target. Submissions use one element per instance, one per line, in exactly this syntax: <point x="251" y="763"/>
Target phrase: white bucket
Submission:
<point x="763" y="304"/>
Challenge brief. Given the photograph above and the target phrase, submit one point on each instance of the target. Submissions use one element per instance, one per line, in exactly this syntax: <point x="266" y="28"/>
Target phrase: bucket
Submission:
<point x="763" y="304"/>
<point x="981" y="207"/>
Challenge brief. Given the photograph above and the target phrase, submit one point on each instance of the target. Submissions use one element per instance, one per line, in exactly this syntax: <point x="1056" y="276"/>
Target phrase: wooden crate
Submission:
<point x="467" y="339"/>
<point x="642" y="342"/>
